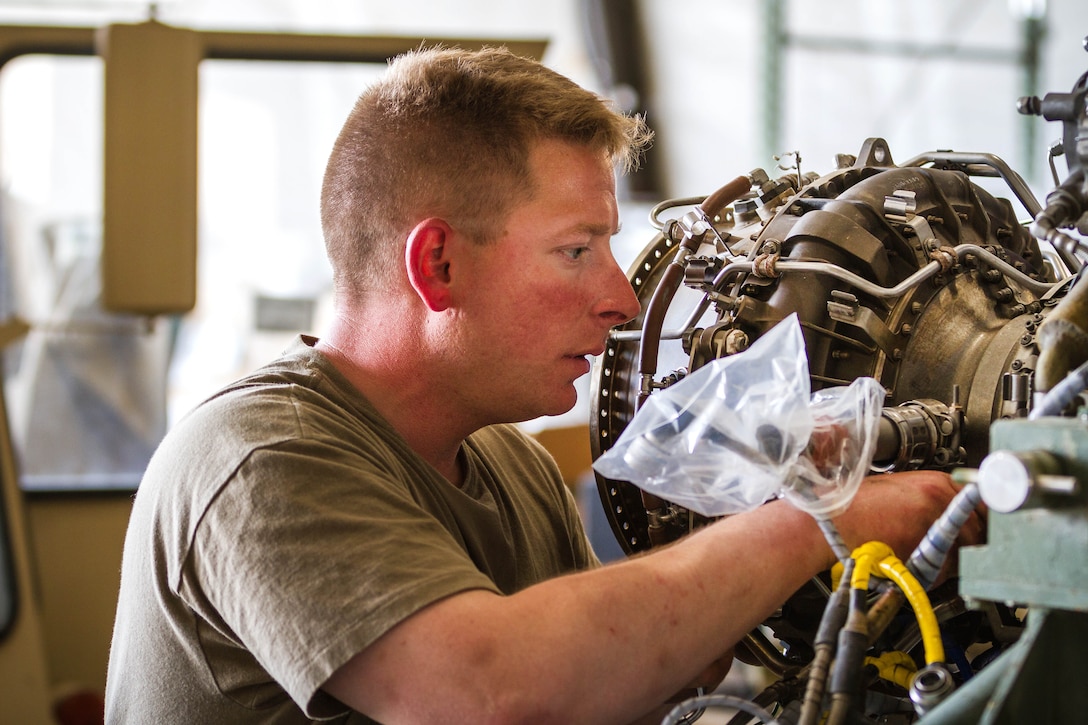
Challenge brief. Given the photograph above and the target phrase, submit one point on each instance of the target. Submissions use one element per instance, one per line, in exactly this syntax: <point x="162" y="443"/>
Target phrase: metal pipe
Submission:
<point x="1014" y="180"/>
<point x="869" y="288"/>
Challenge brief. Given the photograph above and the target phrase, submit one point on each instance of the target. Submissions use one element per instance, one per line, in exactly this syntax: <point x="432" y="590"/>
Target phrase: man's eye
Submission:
<point x="576" y="252"/>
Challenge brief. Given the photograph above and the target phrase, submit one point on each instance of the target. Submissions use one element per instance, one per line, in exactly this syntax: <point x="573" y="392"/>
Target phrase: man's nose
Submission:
<point x="619" y="303"/>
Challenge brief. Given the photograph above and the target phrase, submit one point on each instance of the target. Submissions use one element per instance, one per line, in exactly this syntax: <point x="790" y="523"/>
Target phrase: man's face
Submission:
<point x="540" y="299"/>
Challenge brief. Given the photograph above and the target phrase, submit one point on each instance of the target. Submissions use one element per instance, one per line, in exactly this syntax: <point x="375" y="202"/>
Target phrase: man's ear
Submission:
<point x="426" y="257"/>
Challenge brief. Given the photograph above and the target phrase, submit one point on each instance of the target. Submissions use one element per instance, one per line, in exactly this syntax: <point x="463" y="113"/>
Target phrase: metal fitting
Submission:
<point x="929" y="687"/>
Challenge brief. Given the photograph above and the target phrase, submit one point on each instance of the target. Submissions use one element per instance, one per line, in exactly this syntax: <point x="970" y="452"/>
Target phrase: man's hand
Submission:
<point x="899" y="508"/>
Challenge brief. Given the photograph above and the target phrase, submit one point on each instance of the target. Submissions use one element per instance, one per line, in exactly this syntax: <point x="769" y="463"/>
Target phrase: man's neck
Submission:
<point x="399" y="387"/>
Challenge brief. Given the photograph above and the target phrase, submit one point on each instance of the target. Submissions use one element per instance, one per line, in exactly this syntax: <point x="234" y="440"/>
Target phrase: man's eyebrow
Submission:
<point x="598" y="230"/>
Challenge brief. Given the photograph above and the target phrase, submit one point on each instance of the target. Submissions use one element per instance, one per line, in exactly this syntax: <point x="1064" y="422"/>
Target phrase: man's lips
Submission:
<point x="591" y="352"/>
<point x="582" y="360"/>
<point x="584" y="356"/>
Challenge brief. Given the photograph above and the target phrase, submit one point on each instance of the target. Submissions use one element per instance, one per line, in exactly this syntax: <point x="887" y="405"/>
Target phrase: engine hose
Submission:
<point x="712" y="205"/>
<point x="1062" y="394"/>
<point x="834" y="539"/>
<point x="653" y="322"/>
<point x="839" y="712"/>
<point x="866" y="557"/>
<point x="926" y="561"/>
<point x="853" y="642"/>
<point x="678" y="713"/>
<point x="1063" y="337"/>
<point x="672" y="278"/>
<point x="649" y="344"/>
<point x="783" y="693"/>
<point x="883" y="611"/>
<point x="894" y="569"/>
<point x="878" y="556"/>
<point x="854" y="636"/>
<point x="895" y="667"/>
<point x="832" y="620"/>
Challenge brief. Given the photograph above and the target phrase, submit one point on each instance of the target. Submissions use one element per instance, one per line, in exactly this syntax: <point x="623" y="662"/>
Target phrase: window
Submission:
<point x="92" y="392"/>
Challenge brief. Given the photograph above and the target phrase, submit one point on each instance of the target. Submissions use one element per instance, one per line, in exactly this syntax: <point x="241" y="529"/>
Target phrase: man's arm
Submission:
<point x="609" y="645"/>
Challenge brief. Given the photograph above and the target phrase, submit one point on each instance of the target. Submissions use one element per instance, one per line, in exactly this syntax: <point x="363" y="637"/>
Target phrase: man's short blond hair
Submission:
<point x="447" y="133"/>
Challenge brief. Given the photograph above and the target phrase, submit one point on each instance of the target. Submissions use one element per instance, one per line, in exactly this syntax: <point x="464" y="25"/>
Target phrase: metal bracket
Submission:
<point x="900" y="207"/>
<point x="845" y="308"/>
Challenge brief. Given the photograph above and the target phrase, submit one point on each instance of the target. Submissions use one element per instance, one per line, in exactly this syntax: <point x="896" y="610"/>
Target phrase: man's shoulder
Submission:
<point x="272" y="395"/>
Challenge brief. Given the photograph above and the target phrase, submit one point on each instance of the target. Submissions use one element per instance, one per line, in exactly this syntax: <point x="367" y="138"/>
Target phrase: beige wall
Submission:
<point x="76" y="544"/>
<point x="24" y="689"/>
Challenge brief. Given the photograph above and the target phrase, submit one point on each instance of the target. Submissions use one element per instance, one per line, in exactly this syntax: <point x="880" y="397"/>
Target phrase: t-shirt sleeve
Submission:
<point x="306" y="557"/>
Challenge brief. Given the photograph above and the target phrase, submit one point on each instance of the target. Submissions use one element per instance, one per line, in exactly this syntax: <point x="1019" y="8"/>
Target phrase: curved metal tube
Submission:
<point x="833" y="270"/>
<point x="655" y="213"/>
<point x="1013" y="179"/>
<point x="903" y="287"/>
<point x="654" y="318"/>
<point x="1064" y="244"/>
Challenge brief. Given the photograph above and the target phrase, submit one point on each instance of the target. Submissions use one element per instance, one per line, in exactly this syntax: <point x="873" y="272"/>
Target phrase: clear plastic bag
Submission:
<point x="736" y="432"/>
<point x="840" y="449"/>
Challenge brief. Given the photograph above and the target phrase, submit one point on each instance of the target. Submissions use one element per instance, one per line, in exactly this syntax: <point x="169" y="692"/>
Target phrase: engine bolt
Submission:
<point x="1027" y="340"/>
<point x="916" y="307"/>
<point x="905" y="328"/>
<point x="1017" y="364"/>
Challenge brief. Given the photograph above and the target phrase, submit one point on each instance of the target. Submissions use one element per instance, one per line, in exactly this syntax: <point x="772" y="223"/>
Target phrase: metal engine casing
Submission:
<point x="911" y="274"/>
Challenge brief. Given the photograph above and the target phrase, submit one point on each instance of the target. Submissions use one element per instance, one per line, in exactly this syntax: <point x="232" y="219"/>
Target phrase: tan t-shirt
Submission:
<point x="283" y="526"/>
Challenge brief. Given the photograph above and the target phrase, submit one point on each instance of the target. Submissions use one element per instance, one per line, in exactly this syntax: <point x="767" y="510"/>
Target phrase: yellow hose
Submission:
<point x="895" y="667"/>
<point x="895" y="570"/>
<point x="876" y="557"/>
<point x="866" y="558"/>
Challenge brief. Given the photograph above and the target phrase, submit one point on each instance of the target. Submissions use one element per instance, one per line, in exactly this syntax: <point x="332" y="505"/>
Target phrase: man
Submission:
<point x="355" y="529"/>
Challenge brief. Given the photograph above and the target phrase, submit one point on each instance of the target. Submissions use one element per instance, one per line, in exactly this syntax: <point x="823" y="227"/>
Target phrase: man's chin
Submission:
<point x="555" y="408"/>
